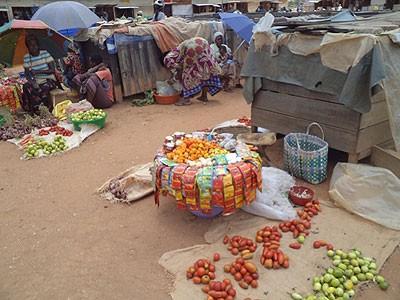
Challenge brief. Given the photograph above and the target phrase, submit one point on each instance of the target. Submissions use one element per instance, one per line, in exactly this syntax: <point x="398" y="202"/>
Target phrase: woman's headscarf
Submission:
<point x="196" y="61"/>
<point x="217" y="34"/>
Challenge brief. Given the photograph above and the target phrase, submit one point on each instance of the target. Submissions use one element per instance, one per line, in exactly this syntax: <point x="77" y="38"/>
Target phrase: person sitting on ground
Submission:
<point x="96" y="84"/>
<point x="72" y="65"/>
<point x="195" y="68"/>
<point x="159" y="11"/>
<point x="39" y="69"/>
<point x="228" y="66"/>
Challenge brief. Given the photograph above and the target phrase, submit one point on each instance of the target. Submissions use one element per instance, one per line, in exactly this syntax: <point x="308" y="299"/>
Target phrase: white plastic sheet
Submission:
<point x="370" y="192"/>
<point x="272" y="202"/>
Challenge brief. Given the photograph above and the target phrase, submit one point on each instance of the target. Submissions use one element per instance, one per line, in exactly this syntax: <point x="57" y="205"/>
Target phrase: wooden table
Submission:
<point x="285" y="108"/>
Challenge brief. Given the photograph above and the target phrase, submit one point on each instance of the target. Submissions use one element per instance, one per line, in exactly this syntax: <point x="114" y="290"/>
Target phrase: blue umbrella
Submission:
<point x="66" y="15"/>
<point x="240" y="24"/>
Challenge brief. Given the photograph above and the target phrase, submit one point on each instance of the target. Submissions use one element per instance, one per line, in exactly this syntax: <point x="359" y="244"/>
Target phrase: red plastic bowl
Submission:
<point x="300" y="195"/>
<point x="165" y="100"/>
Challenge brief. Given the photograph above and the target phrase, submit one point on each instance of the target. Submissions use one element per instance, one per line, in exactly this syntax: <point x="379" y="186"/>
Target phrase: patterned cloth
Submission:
<point x="214" y="85"/>
<point x="10" y="96"/>
<point x="73" y="61"/>
<point x="193" y="59"/>
<point x="34" y="95"/>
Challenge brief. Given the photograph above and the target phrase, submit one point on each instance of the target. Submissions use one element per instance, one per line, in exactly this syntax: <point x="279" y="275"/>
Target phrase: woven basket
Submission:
<point x="306" y="156"/>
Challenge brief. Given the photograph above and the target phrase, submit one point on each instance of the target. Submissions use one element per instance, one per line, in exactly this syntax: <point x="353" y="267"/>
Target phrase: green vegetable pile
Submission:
<point x="89" y="115"/>
<point x="34" y="148"/>
<point x="339" y="281"/>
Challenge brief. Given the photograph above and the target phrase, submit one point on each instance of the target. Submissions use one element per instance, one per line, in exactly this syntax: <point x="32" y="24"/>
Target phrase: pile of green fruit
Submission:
<point x="34" y="148"/>
<point x="339" y="281"/>
<point x="89" y="115"/>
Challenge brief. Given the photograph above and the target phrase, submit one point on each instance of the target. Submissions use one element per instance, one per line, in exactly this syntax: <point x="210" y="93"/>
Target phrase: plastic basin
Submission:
<point x="300" y="195"/>
<point x="165" y="100"/>
<point x="99" y="122"/>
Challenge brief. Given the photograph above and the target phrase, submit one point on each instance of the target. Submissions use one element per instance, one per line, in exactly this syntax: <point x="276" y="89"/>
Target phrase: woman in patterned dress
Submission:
<point x="195" y="68"/>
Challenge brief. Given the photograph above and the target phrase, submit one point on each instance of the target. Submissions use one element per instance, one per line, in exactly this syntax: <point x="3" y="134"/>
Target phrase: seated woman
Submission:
<point x="96" y="84"/>
<point x="72" y="65"/>
<point x="228" y="66"/>
<point x="193" y="65"/>
<point x="40" y="74"/>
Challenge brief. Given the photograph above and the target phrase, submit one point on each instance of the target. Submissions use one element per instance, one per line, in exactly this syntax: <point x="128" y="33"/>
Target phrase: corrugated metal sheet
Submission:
<point x="139" y="63"/>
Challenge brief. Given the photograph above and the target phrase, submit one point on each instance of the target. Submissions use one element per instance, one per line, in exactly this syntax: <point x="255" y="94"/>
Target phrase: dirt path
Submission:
<point x="58" y="240"/>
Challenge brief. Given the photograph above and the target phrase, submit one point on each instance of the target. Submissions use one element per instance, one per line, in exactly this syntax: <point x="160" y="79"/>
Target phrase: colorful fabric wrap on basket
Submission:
<point x="229" y="186"/>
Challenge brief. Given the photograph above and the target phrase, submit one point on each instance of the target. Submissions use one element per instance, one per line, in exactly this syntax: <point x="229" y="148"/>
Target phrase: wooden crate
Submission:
<point x="285" y="108"/>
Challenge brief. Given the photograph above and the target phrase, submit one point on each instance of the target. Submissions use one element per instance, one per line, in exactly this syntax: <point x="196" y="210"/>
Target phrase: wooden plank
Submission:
<point x="386" y="159"/>
<point x="113" y="62"/>
<point x="332" y="114"/>
<point x="377" y="114"/>
<point x="373" y="135"/>
<point x="295" y="90"/>
<point x="337" y="138"/>
<point x="379" y="97"/>
<point x="367" y="152"/>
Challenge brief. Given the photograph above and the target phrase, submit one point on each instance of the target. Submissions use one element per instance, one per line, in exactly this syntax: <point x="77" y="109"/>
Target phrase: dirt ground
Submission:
<point x="58" y="240"/>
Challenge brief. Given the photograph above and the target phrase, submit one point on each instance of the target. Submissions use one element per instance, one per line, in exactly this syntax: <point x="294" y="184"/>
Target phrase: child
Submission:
<point x="225" y="61"/>
<point x="72" y="65"/>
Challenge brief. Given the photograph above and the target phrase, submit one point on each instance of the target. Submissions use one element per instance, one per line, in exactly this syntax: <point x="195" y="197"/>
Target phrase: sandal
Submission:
<point x="183" y="102"/>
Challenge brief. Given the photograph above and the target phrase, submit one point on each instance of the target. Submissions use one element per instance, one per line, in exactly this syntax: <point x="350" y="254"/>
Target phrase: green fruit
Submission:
<point x="361" y="262"/>
<point x="328" y="278"/>
<point x="354" y="262"/>
<point x="354" y="279"/>
<point x="330" y="270"/>
<point x="379" y="279"/>
<point x="335" y="282"/>
<point x="348" y="273"/>
<point x="325" y="287"/>
<point x="351" y="293"/>
<point x="337" y="257"/>
<point x="361" y="277"/>
<point x="296" y="296"/>
<point x="330" y="253"/>
<point x="338" y="273"/>
<point x="384" y="285"/>
<point x="356" y="270"/>
<point x="317" y="287"/>
<point x="301" y="239"/>
<point x="339" y="252"/>
<point x="342" y="266"/>
<point x="344" y="255"/>
<point x="348" y="285"/>
<point x="352" y="255"/>
<point x="346" y="296"/>
<point x="336" y="262"/>
<point x="311" y="297"/>
<point x="372" y="266"/>
<point x="345" y="261"/>
<point x="364" y="269"/>
<point x="331" y="290"/>
<point x="316" y="279"/>
<point x="369" y="276"/>
<point x="339" y="292"/>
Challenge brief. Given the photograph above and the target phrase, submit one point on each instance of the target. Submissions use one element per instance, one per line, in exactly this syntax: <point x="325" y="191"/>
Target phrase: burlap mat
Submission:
<point x="334" y="225"/>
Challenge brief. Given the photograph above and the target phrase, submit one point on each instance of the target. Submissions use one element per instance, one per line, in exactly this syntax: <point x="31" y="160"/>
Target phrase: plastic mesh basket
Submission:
<point x="306" y="156"/>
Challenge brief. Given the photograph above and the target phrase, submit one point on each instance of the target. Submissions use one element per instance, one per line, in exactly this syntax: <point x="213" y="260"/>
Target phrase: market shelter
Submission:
<point x="135" y="52"/>
<point x="341" y="75"/>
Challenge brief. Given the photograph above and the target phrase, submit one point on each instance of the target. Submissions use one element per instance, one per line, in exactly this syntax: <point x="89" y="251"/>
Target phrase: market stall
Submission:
<point x="207" y="173"/>
<point x="344" y="81"/>
<point x="135" y="56"/>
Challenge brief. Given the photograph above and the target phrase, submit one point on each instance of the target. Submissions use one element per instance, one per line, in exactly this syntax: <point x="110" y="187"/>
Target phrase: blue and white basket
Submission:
<point x="306" y="156"/>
